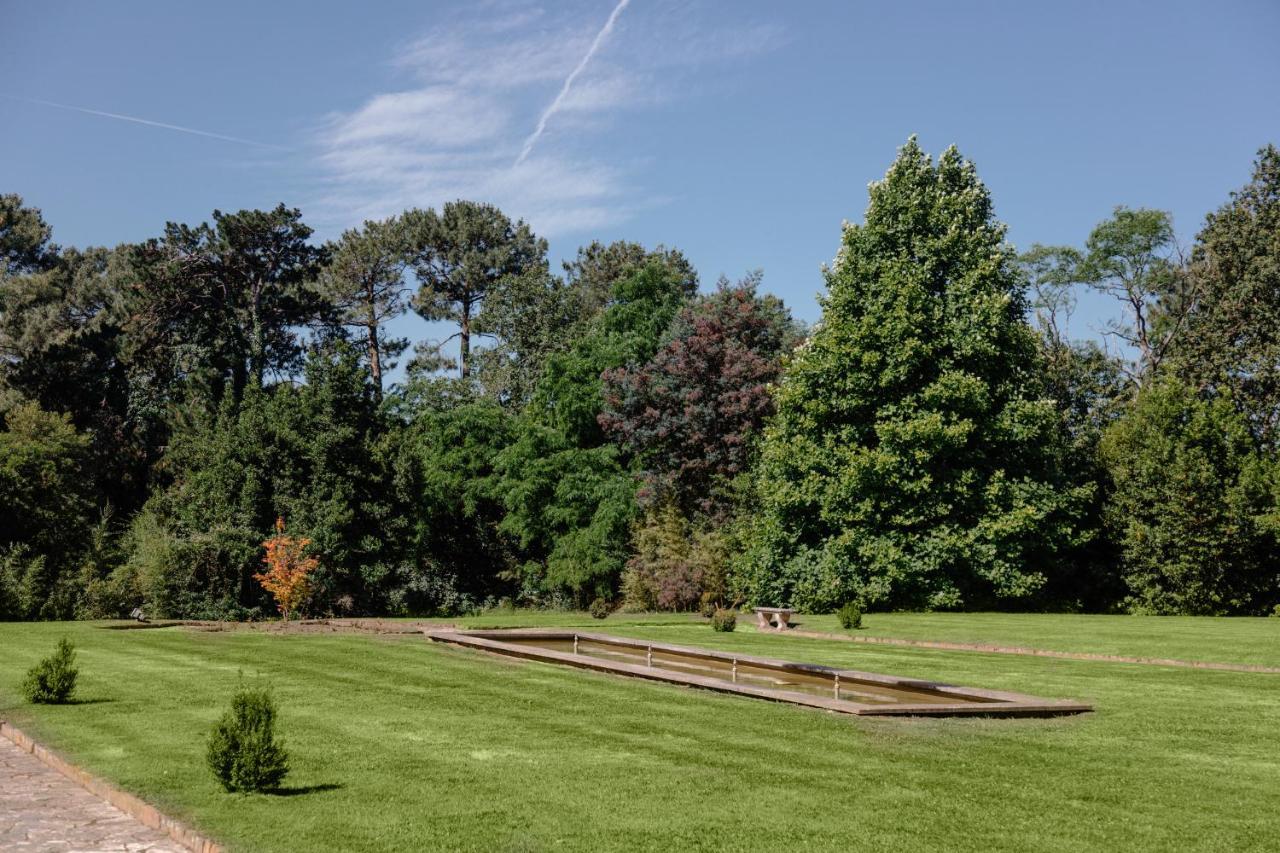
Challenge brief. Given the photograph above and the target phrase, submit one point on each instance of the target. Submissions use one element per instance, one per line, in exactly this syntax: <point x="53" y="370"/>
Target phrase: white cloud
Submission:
<point x="471" y="93"/>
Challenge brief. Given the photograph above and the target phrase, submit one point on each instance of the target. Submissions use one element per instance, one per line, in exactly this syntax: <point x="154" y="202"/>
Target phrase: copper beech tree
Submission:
<point x="288" y="572"/>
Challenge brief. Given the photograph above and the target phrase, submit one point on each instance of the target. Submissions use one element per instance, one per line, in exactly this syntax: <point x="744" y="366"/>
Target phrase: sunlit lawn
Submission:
<point x="398" y="744"/>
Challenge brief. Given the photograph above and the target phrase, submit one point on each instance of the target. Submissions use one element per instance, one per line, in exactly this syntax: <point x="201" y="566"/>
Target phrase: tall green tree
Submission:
<point x="62" y="340"/>
<point x="462" y="256"/>
<point x="333" y="480"/>
<point x="570" y="498"/>
<point x="194" y="548"/>
<point x="46" y="506"/>
<point x="597" y="267"/>
<point x="1189" y="505"/>
<point x="363" y="283"/>
<point x="1134" y="258"/>
<point x="1232" y="343"/>
<point x="444" y="477"/>
<point x="24" y="237"/>
<point x="532" y="318"/>
<point x="222" y="304"/>
<point x="1090" y="389"/>
<point x="537" y="316"/>
<point x="913" y="460"/>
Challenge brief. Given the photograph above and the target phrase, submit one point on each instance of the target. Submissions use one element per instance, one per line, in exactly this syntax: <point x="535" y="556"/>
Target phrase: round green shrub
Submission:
<point x="53" y="680"/>
<point x="850" y="615"/>
<point x="600" y="609"/>
<point x="724" y="620"/>
<point x="244" y="752"/>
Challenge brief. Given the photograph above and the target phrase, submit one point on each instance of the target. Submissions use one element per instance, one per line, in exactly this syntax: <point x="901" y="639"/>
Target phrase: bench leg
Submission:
<point x="762" y="621"/>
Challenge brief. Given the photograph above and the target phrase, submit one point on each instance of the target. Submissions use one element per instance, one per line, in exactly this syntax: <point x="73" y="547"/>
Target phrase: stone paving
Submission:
<point x="42" y="811"/>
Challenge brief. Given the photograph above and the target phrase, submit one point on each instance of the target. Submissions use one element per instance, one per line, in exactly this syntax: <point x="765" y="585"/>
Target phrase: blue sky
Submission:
<point x="740" y="132"/>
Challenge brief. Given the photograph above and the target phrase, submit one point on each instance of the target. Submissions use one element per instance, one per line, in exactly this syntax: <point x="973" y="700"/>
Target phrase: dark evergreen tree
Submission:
<point x="463" y="255"/>
<point x="221" y="305"/>
<point x="363" y="284"/>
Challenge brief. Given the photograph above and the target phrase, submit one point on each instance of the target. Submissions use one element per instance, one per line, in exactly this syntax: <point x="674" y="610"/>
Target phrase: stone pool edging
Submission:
<point x="973" y="701"/>
<point x="143" y="812"/>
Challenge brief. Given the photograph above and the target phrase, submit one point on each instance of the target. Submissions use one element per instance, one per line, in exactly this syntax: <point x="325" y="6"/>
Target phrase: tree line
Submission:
<point x="610" y="431"/>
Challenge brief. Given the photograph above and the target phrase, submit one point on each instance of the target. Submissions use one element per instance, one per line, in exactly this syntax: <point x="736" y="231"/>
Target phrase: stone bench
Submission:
<point x="767" y="616"/>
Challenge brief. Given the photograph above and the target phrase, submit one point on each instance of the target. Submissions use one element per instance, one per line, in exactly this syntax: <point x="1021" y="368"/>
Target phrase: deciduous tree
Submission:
<point x="689" y="414"/>
<point x="912" y="460"/>
<point x="1189" y="504"/>
<point x="1232" y="342"/>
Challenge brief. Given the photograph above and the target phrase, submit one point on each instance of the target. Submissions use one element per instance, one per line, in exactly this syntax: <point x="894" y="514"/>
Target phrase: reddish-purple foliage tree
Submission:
<point x="687" y="415"/>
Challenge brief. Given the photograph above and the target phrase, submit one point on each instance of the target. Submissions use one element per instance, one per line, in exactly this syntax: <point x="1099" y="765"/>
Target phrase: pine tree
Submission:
<point x="912" y="460"/>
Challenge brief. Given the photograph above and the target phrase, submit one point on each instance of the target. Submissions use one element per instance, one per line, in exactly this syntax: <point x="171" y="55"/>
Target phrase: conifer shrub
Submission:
<point x="850" y="615"/>
<point x="600" y="609"/>
<point x="724" y="621"/>
<point x="53" y="680"/>
<point x="243" y="751"/>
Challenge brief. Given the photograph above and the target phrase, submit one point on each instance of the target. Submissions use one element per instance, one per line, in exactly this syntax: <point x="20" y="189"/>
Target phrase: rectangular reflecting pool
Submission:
<point x="842" y="690"/>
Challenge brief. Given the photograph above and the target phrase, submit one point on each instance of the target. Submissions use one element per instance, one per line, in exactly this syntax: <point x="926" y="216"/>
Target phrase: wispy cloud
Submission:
<point x="145" y="121"/>
<point x="457" y="124"/>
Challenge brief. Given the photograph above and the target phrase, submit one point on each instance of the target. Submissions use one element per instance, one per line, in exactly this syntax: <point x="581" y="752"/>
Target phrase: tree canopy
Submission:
<point x="913" y="460"/>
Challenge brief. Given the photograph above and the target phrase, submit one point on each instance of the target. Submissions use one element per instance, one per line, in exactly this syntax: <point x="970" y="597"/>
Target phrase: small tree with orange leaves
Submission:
<point x="288" y="572"/>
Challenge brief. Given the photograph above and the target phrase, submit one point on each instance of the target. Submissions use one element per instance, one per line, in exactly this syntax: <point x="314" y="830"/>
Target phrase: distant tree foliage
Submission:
<point x="220" y="305"/>
<point x="570" y="499"/>
<point x="364" y="284"/>
<point x="1190" y="504"/>
<point x="1133" y="257"/>
<point x="24" y="237"/>
<point x="913" y="460"/>
<point x="46" y="512"/>
<point x="462" y="256"/>
<point x="605" y="433"/>
<point x="1232" y="342"/>
<point x="689" y="414"/>
<point x="452" y="555"/>
<point x="677" y="564"/>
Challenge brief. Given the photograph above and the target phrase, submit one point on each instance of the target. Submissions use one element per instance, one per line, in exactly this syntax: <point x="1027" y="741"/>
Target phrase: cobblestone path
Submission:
<point x="42" y="811"/>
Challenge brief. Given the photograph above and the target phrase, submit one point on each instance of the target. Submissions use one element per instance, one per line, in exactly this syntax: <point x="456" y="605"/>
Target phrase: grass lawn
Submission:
<point x="1193" y="638"/>
<point x="398" y="744"/>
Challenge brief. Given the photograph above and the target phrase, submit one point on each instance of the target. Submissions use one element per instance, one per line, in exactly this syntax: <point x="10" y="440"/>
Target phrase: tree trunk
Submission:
<point x="257" y="338"/>
<point x="375" y="360"/>
<point x="464" y="337"/>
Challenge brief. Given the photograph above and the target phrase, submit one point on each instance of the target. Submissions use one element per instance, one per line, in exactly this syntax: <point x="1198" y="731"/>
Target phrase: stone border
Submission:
<point x="145" y="814"/>
<point x="1024" y="650"/>
<point x="972" y="701"/>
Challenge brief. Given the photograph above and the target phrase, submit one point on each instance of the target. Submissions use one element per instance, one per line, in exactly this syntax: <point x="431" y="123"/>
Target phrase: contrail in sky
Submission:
<point x="568" y="81"/>
<point x="145" y="121"/>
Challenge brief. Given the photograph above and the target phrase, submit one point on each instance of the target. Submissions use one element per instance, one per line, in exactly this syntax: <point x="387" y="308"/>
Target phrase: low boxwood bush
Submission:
<point x="724" y="620"/>
<point x="850" y="615"/>
<point x="244" y="752"/>
<point x="600" y="609"/>
<point x="53" y="680"/>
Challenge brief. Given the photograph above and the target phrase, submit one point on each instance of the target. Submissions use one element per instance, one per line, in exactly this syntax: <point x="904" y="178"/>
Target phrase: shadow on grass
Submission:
<point x="97" y="700"/>
<point x="301" y="790"/>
